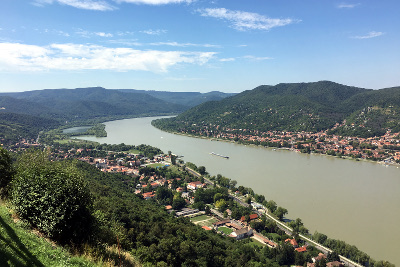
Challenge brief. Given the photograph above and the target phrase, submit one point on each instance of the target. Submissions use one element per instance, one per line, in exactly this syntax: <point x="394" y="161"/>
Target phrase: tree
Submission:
<point x="202" y="170"/>
<point x="53" y="197"/>
<point x="164" y="195"/>
<point x="271" y="205"/>
<point x="207" y="210"/>
<point x="248" y="200"/>
<point x="280" y="212"/>
<point x="220" y="205"/>
<point x="6" y="171"/>
<point x="178" y="203"/>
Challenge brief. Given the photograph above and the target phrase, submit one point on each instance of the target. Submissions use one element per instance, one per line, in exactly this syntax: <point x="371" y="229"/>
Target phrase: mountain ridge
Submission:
<point x="296" y="107"/>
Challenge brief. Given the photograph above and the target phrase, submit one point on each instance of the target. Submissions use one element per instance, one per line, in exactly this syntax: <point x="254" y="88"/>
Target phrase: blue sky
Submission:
<point x="197" y="45"/>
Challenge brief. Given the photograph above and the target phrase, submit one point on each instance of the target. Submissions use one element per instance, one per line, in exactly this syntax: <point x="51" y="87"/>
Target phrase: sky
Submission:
<point x="197" y="45"/>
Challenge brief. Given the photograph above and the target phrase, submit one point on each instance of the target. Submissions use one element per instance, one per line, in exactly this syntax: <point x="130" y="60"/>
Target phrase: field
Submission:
<point x="156" y="165"/>
<point x="225" y="230"/>
<point x="204" y="220"/>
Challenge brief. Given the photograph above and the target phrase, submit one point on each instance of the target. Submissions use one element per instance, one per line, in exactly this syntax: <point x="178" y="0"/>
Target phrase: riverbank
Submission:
<point x="239" y="142"/>
<point x="298" y="181"/>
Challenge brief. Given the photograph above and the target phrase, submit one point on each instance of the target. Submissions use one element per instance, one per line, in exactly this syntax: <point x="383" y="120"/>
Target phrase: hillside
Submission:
<point x="14" y="126"/>
<point x="85" y="103"/>
<point x="189" y="99"/>
<point x="296" y="107"/>
<point x="97" y="103"/>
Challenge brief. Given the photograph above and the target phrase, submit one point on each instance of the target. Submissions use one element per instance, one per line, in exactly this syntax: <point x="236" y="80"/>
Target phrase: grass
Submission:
<point x="155" y="165"/>
<point x="226" y="230"/>
<point x="200" y="218"/>
<point x="256" y="243"/>
<point x="204" y="220"/>
<point x="134" y="151"/>
<point x="19" y="246"/>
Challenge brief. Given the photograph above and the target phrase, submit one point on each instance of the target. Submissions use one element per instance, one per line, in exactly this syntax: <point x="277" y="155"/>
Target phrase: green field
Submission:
<point x="155" y="165"/>
<point x="256" y="243"/>
<point x="204" y="220"/>
<point x="134" y="151"/>
<point x="226" y="230"/>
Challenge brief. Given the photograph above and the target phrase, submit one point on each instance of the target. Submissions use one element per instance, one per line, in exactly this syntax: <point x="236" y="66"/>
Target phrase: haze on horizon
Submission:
<point x="197" y="45"/>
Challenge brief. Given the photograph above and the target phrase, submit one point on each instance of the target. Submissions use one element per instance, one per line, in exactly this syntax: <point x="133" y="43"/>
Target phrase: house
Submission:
<point x="242" y="233"/>
<point x="179" y="189"/>
<point x="301" y="249"/>
<point x="268" y="242"/>
<point x="206" y="228"/>
<point x="319" y="257"/>
<point x="334" y="264"/>
<point x="252" y="217"/>
<point x="221" y="223"/>
<point x="293" y="242"/>
<point x="195" y="185"/>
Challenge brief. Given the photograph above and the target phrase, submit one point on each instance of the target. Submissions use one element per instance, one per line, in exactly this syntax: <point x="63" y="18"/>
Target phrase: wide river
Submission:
<point x="354" y="201"/>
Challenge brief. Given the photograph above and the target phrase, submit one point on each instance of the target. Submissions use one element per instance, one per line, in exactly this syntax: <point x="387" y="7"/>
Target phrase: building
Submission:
<point x="242" y="233"/>
<point x="195" y="185"/>
<point x="293" y="242"/>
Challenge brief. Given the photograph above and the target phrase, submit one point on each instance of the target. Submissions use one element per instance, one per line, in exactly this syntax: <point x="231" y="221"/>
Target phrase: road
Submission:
<point x="281" y="225"/>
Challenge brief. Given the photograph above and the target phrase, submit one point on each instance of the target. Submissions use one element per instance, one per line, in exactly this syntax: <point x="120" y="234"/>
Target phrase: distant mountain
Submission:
<point x="85" y="103"/>
<point x="189" y="99"/>
<point x="297" y="107"/>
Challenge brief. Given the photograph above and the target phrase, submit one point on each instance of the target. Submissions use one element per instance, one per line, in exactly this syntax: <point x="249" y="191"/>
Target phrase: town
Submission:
<point x="384" y="148"/>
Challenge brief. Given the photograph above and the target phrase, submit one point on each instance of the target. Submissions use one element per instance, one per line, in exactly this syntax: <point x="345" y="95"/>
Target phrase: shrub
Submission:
<point x="6" y="171"/>
<point x="52" y="197"/>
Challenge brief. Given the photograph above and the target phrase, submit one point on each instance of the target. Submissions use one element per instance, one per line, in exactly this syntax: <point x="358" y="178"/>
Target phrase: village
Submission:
<point x="384" y="148"/>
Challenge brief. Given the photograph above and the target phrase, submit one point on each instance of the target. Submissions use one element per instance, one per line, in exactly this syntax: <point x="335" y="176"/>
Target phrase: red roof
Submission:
<point x="252" y="217"/>
<point x="302" y="249"/>
<point x="292" y="241"/>
<point x="206" y="228"/>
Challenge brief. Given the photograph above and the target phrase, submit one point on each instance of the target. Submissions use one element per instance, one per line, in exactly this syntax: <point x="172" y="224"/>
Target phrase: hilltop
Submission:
<point x="297" y="107"/>
<point x="97" y="103"/>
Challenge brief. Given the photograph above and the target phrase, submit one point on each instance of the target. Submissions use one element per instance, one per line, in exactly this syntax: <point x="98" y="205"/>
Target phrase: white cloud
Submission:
<point x="103" y="34"/>
<point x="22" y="57"/>
<point x="155" y="2"/>
<point x="242" y="21"/>
<point x="88" y="34"/>
<point x="154" y="32"/>
<point x="344" y="5"/>
<point x="372" y="34"/>
<point x="227" y="59"/>
<point x="257" y="58"/>
<point x="99" y="5"/>
<point x="176" y="44"/>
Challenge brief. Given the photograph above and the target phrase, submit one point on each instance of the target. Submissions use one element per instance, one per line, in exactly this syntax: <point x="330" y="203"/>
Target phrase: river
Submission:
<point x="354" y="201"/>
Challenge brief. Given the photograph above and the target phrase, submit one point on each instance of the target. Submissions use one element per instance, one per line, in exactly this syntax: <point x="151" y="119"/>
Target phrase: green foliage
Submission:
<point x="14" y="126"/>
<point x="294" y="107"/>
<point x="53" y="197"/>
<point x="86" y="104"/>
<point x="6" y="171"/>
<point x="19" y="246"/>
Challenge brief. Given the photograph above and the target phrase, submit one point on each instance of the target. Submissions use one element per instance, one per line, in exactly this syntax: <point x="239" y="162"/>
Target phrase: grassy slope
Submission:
<point x="21" y="247"/>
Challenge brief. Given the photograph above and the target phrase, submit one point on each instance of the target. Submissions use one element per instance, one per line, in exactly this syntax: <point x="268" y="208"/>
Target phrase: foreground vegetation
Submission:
<point x="120" y="227"/>
<point x="20" y="246"/>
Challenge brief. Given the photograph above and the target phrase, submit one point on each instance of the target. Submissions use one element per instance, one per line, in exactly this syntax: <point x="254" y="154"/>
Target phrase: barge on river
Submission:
<point x="222" y="156"/>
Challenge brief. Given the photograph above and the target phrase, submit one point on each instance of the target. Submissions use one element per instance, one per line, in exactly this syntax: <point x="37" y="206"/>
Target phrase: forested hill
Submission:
<point x="297" y="107"/>
<point x="100" y="103"/>
<point x="189" y="99"/>
<point x="15" y="126"/>
<point x="85" y="103"/>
